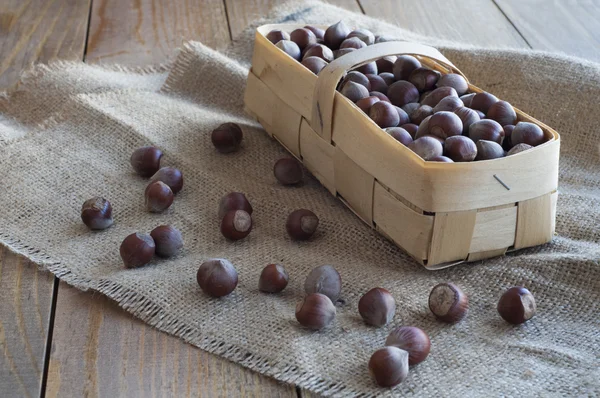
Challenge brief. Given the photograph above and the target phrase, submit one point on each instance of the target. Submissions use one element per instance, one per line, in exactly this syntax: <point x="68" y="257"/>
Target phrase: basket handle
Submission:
<point x="329" y="77"/>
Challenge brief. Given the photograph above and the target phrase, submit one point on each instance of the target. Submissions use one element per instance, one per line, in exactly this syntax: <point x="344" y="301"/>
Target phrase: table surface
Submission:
<point x="59" y="341"/>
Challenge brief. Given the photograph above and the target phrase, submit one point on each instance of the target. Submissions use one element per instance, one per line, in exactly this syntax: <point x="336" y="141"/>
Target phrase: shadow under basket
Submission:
<point x="441" y="214"/>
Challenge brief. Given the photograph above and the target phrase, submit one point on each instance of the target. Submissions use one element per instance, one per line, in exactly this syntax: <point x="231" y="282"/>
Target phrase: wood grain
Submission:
<point x="99" y="350"/>
<point x="477" y="22"/>
<point x="571" y="26"/>
<point x="142" y="32"/>
<point x="39" y="31"/>
<point x="26" y="297"/>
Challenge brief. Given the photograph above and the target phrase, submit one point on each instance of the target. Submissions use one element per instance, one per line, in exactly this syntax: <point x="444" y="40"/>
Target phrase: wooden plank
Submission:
<point x="535" y="221"/>
<point x="354" y="185"/>
<point x="39" y="31"/>
<point x="317" y="156"/>
<point x="477" y="22"/>
<point x="494" y="229"/>
<point x="99" y="350"/>
<point x="451" y="238"/>
<point x="143" y="32"/>
<point x="487" y="254"/>
<point x="26" y="297"/>
<point x="572" y="27"/>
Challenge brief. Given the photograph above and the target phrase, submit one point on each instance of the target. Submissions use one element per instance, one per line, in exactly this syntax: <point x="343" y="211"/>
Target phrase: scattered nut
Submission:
<point x="234" y="201"/>
<point x="389" y="366"/>
<point x="315" y="311"/>
<point x="301" y="224"/>
<point x="167" y="239"/>
<point x="412" y="340"/>
<point x="227" y="137"/>
<point x="288" y="171"/>
<point x="448" y="303"/>
<point x="146" y="160"/>
<point x="159" y="197"/>
<point x="273" y="279"/>
<point x="516" y="305"/>
<point x="325" y="280"/>
<point x="137" y="250"/>
<point x="217" y="277"/>
<point x="377" y="307"/>
<point x="96" y="213"/>
<point x="170" y="176"/>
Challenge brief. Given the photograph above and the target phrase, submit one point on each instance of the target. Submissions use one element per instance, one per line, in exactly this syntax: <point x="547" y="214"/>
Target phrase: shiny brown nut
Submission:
<point x="404" y="66"/>
<point x="377" y="83"/>
<point x="159" y="197"/>
<point x="424" y="95"/>
<point x="487" y="150"/>
<point x="404" y="119"/>
<point x="301" y="224"/>
<point x="377" y="307"/>
<point x="386" y="65"/>
<point x="303" y="37"/>
<point x="273" y="279"/>
<point x="137" y="250"/>
<point x="424" y="79"/>
<point x="481" y="114"/>
<point x="445" y="124"/>
<point x="321" y="51"/>
<point x="443" y="159"/>
<point x="516" y="305"/>
<point x="277" y="35"/>
<point x="381" y="96"/>
<point x="454" y="80"/>
<point x="411" y="107"/>
<point x="342" y="51"/>
<point x="170" y="176"/>
<point x="448" y="104"/>
<point x="448" y="302"/>
<point x="423" y="129"/>
<point x="366" y="103"/>
<point x="318" y="32"/>
<point x="96" y="213"/>
<point x="507" y="143"/>
<point x="288" y="171"/>
<point x="518" y="149"/>
<point x="411" y="128"/>
<point x="357" y="77"/>
<point x="335" y="35"/>
<point x="503" y="113"/>
<point x="314" y="64"/>
<point x="217" y="277"/>
<point x="486" y="129"/>
<point x="527" y="133"/>
<point x="290" y="48"/>
<point x="325" y="280"/>
<point x="419" y="114"/>
<point x="363" y="34"/>
<point x="315" y="311"/>
<point x="467" y="99"/>
<point x="354" y="91"/>
<point x="467" y="116"/>
<point x="426" y="147"/>
<point x="370" y="68"/>
<point x="384" y="114"/>
<point x="460" y="148"/>
<point x="483" y="101"/>
<point x="227" y="137"/>
<point x="402" y="92"/>
<point x="353" y="42"/>
<point x="234" y="201"/>
<point x="400" y="135"/>
<point x="146" y="160"/>
<point x="387" y="77"/>
<point x="167" y="239"/>
<point x="389" y="366"/>
<point x="236" y="224"/>
<point x="433" y="98"/>
<point x="412" y="340"/>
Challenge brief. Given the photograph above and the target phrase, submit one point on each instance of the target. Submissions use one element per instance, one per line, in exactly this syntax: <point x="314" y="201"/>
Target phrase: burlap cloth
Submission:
<point x="66" y="134"/>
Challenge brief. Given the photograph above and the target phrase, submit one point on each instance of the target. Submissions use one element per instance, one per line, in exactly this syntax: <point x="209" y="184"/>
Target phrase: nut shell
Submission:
<point x="301" y="224"/>
<point x="325" y="280"/>
<point x="314" y="64"/>
<point x="137" y="250"/>
<point x="402" y="92"/>
<point x="384" y="114"/>
<point x="146" y="160"/>
<point x="503" y="113"/>
<point x="217" y="277"/>
<point x="377" y="307"/>
<point x="354" y="91"/>
<point x="315" y="311"/>
<point x="389" y="366"/>
<point x="159" y="197"/>
<point x="448" y="303"/>
<point x="170" y="176"/>
<point x="227" y="137"/>
<point x="460" y="148"/>
<point x="273" y="279"/>
<point x="516" y="305"/>
<point x="454" y="80"/>
<point x="426" y="147"/>
<point x="335" y="35"/>
<point x="290" y="48"/>
<point x="277" y="35"/>
<point x="303" y="37"/>
<point x="234" y="201"/>
<point x="236" y="224"/>
<point x="96" y="213"/>
<point x="167" y="239"/>
<point x="487" y="150"/>
<point x="527" y="133"/>
<point x="404" y="66"/>
<point x="412" y="340"/>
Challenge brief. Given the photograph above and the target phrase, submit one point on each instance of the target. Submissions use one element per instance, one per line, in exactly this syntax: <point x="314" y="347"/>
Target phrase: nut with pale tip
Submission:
<point x="326" y="280"/>
<point x="170" y="176"/>
<point x="315" y="311"/>
<point x="377" y="307"/>
<point x="454" y="80"/>
<point x="227" y="137"/>
<point x="301" y="224"/>
<point x="516" y="305"/>
<point x="412" y="340"/>
<point x="158" y="197"/>
<point x="236" y="224"/>
<point x="448" y="303"/>
<point x="168" y="240"/>
<point x="96" y="213"/>
<point x="234" y="201"/>
<point x="273" y="279"/>
<point x="389" y="366"/>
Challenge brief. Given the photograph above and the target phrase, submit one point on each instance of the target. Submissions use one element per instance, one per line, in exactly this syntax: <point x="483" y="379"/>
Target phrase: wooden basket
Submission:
<point x="440" y="213"/>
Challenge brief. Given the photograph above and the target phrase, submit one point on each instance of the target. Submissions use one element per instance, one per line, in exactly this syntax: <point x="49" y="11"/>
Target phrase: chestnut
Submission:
<point x="454" y="80"/>
<point x="467" y="99"/>
<point x="335" y="35"/>
<point x="342" y="51"/>
<point x="369" y="68"/>
<point x="387" y="77"/>
<point x="400" y="135"/>
<point x="234" y="201"/>
<point x="426" y="147"/>
<point x="404" y="66"/>
<point x="516" y="305"/>
<point x="159" y="197"/>
<point x="381" y="96"/>
<point x="357" y="77"/>
<point x="411" y="107"/>
<point x="468" y="116"/>
<point x="411" y="128"/>
<point x="445" y="124"/>
<point x="170" y="176"/>
<point x="423" y="129"/>
<point x="354" y="91"/>
<point x="442" y="159"/>
<point x="301" y="224"/>
<point x="315" y="311"/>
<point x="412" y="340"/>
<point x="486" y="129"/>
<point x="319" y="50"/>
<point x="277" y="35"/>
<point x="422" y="112"/>
<point x="352" y="42"/>
<point x="167" y="239"/>
<point x="389" y="366"/>
<point x="366" y="103"/>
<point x="460" y="148"/>
<point x="480" y="114"/>
<point x="314" y="64"/>
<point x="227" y="137"/>
<point x="137" y="250"/>
<point x="273" y="279"/>
<point x="404" y="119"/>
<point x="448" y="303"/>
<point x="363" y="34"/>
<point x="325" y="280"/>
<point x="236" y="224"/>
<point x="424" y="79"/>
<point x="96" y="213"/>
<point x="377" y="307"/>
<point x="527" y="133"/>
<point x="288" y="171"/>
<point x="290" y="48"/>
<point x="303" y="37"/>
<point x="386" y="65"/>
<point x="448" y="104"/>
<point x="424" y="95"/>
<point x="217" y="277"/>
<point x="503" y="113"/>
<point x="518" y="148"/>
<point x="318" y="32"/>
<point x="507" y="143"/>
<point x="402" y="92"/>
<point x="384" y="114"/>
<point x="483" y="101"/>
<point x="437" y="95"/>
<point x="487" y="150"/>
<point x="377" y="83"/>
<point x="146" y="160"/>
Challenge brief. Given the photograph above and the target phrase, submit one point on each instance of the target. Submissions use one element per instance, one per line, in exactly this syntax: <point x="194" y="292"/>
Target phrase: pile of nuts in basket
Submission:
<point x="433" y="114"/>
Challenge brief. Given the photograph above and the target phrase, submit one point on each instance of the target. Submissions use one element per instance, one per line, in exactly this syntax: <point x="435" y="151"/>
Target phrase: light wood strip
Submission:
<point x="487" y="254"/>
<point x="451" y="238"/>
<point x="354" y="185"/>
<point x="494" y="230"/>
<point x="535" y="224"/>
<point x="319" y="158"/>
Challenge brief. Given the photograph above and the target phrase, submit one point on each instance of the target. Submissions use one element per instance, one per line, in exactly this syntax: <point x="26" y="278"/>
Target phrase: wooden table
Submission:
<point x="58" y="341"/>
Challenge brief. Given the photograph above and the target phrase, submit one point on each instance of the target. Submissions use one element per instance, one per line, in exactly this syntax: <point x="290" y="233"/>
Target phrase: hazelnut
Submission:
<point x="483" y="101"/>
<point x="288" y="171"/>
<point x="468" y="116"/>
<point x="389" y="366"/>
<point x="426" y="147"/>
<point x="325" y="280"/>
<point x="236" y="224"/>
<point x="381" y="96"/>
<point x="448" y="104"/>
<point x="454" y="80"/>
<point x="318" y="32"/>
<point x="146" y="160"/>
<point x="159" y="197"/>
<point x="402" y="93"/>
<point x="227" y="137"/>
<point x="442" y="159"/>
<point x="335" y="35"/>
<point x="486" y="129"/>
<point x="137" y="250"/>
<point x="527" y="133"/>
<point x="290" y="48"/>
<point x="301" y="224"/>
<point x="424" y="95"/>
<point x="366" y="103"/>
<point x="507" y="143"/>
<point x="411" y="107"/>
<point x="467" y="99"/>
<point x="363" y="34"/>
<point x="423" y="129"/>
<point x="354" y="91"/>
<point x="352" y="42"/>
<point x="437" y="95"/>
<point x="400" y="135"/>
<point x="170" y="176"/>
<point x="404" y="66"/>
<point x="377" y="307"/>
<point x="487" y="150"/>
<point x="234" y="201"/>
<point x="516" y="305"/>
<point x="370" y="68"/>
<point x="315" y="311"/>
<point x="273" y="279"/>
<point x="404" y="119"/>
<point x="377" y="83"/>
<point x="424" y="79"/>
<point x="411" y="128"/>
<point x="314" y="64"/>
<point x="384" y="114"/>
<point x="217" y="277"/>
<point x="305" y="50"/>
<point x="460" y="148"/>
<point x="480" y="114"/>
<point x="445" y="124"/>
<point x="412" y="340"/>
<point x="303" y="37"/>
<point x="167" y="239"/>
<point x="357" y="77"/>
<point x="277" y="35"/>
<point x="342" y="51"/>
<point x="96" y="213"/>
<point x="422" y="112"/>
<point x="503" y="113"/>
<point x="518" y="149"/>
<point x="387" y="77"/>
<point x="448" y="303"/>
<point x="319" y="50"/>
